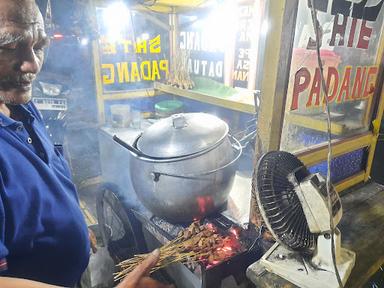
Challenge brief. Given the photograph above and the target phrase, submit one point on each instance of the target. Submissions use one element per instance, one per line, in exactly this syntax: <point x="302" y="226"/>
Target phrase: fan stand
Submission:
<point x="317" y="272"/>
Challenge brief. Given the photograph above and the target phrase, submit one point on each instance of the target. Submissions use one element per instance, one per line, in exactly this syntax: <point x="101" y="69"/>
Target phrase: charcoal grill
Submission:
<point x="210" y="276"/>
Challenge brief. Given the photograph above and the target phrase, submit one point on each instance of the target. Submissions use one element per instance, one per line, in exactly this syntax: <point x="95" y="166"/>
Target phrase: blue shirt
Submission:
<point x="43" y="235"/>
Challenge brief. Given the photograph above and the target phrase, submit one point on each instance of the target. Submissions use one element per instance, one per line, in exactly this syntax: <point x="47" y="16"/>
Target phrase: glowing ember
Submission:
<point x="226" y="248"/>
<point x="197" y="243"/>
<point x="204" y="203"/>
<point x="235" y="232"/>
<point x="210" y="227"/>
<point x="214" y="263"/>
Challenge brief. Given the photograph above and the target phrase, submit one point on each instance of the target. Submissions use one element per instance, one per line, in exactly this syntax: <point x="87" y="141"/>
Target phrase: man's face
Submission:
<point x="22" y="42"/>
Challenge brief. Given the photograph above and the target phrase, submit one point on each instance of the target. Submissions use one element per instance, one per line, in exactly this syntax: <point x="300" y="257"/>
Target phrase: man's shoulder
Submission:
<point x="30" y="106"/>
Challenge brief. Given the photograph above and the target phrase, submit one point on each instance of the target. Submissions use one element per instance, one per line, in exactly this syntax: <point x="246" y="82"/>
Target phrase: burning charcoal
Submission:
<point x="216" y="257"/>
<point x="199" y="243"/>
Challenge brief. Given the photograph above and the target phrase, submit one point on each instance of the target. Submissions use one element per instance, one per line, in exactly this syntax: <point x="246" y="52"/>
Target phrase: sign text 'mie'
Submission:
<point x="353" y="28"/>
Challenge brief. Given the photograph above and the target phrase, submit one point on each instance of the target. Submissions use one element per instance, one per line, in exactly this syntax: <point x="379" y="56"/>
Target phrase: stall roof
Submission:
<point x="163" y="6"/>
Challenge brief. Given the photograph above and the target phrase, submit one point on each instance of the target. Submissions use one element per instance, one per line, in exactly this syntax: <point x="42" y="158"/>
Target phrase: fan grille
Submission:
<point x="279" y="203"/>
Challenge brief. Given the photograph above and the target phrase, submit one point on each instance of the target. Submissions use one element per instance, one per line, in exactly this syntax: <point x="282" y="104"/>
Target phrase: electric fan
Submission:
<point x="293" y="203"/>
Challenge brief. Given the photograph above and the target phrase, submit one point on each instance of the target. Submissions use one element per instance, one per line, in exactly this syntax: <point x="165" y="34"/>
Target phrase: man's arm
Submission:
<point x="138" y="278"/>
<point x="6" y="282"/>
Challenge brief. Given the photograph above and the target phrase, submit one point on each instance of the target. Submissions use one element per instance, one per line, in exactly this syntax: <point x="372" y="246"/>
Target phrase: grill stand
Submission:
<point x="301" y="271"/>
<point x="158" y="231"/>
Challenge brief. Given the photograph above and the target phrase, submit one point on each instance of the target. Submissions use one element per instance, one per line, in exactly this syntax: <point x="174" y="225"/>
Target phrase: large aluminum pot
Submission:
<point x="183" y="166"/>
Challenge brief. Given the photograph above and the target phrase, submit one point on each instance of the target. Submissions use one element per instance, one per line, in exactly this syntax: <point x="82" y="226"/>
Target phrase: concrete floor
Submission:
<point x="362" y="228"/>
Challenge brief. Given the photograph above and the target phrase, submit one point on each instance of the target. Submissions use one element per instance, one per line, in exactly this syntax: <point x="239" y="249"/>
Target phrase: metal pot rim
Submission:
<point x="137" y="154"/>
<point x="149" y="158"/>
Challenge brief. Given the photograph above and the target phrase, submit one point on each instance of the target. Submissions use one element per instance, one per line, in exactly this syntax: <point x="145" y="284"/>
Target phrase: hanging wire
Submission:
<point x="48" y="21"/>
<point x="316" y="27"/>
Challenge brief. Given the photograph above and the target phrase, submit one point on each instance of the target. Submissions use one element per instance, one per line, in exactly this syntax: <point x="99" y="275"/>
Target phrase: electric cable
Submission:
<point x="48" y="19"/>
<point x="259" y="236"/>
<point x="316" y="27"/>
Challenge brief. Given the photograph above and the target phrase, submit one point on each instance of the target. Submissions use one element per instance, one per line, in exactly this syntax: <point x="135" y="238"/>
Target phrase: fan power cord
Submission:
<point x="259" y="236"/>
<point x="316" y="27"/>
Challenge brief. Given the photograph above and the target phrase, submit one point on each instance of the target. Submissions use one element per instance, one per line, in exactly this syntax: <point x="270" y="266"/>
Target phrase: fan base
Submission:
<point x="293" y="267"/>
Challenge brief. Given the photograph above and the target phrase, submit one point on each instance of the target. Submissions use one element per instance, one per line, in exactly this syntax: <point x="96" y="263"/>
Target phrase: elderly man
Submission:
<point x="43" y="236"/>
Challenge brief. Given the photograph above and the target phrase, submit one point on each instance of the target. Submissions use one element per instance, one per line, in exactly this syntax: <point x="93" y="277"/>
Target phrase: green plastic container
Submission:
<point x="167" y="108"/>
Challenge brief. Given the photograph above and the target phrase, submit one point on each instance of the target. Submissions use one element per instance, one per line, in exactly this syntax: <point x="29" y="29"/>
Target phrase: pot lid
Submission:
<point x="181" y="135"/>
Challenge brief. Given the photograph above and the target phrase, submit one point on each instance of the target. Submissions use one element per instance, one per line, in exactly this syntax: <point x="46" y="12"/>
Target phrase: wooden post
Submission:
<point x="281" y="17"/>
<point x="173" y="37"/>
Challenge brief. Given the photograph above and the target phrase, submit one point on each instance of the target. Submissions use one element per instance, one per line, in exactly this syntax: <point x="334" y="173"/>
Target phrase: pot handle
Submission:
<point x="133" y="150"/>
<point x="236" y="145"/>
<point x="141" y="156"/>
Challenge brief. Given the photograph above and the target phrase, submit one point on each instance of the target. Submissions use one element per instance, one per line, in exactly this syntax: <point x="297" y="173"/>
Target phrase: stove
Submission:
<point x="229" y="272"/>
<point x="115" y="161"/>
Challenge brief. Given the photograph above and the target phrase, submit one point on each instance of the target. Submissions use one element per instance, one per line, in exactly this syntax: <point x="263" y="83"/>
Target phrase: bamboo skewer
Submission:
<point x="179" y="74"/>
<point x="194" y="244"/>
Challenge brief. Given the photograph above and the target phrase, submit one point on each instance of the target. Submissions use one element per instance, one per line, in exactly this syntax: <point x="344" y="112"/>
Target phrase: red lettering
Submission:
<point x="338" y="29"/>
<point x="315" y="90"/>
<point x="298" y="87"/>
<point x="345" y="85"/>
<point x="370" y="83"/>
<point x="364" y="36"/>
<point x="352" y="32"/>
<point x="357" y="91"/>
<point x="333" y="74"/>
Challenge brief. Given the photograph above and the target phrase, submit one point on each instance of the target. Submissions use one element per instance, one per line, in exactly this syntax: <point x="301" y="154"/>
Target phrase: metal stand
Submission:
<point x="317" y="272"/>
